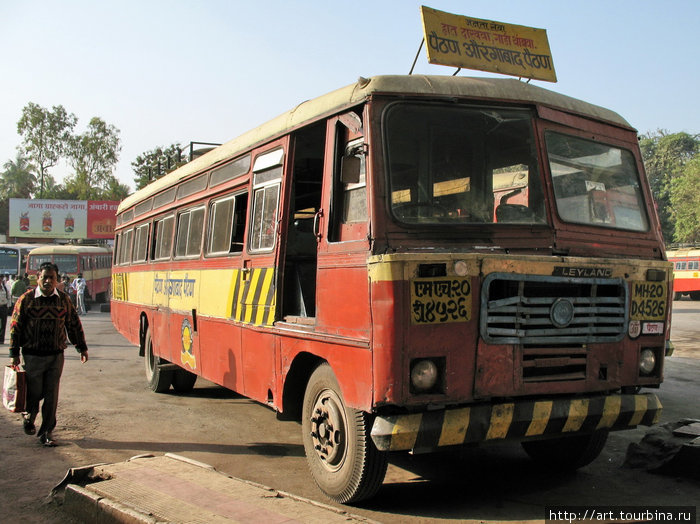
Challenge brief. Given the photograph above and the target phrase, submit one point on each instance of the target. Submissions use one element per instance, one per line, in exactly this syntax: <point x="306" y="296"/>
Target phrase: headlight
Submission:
<point x="647" y="362"/>
<point x="424" y="375"/>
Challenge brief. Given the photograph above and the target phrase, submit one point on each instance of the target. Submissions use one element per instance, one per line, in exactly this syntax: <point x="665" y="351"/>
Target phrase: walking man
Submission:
<point x="40" y="321"/>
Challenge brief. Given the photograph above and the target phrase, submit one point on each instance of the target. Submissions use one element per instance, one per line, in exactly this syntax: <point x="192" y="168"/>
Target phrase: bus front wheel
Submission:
<point x="342" y="458"/>
<point x="159" y="380"/>
<point x="567" y="453"/>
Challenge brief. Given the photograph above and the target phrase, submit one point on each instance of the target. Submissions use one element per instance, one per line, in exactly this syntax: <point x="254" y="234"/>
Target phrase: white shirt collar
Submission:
<point x="38" y="293"/>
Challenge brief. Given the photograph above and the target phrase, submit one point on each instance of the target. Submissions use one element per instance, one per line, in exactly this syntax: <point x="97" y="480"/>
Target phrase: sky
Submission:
<point x="207" y="71"/>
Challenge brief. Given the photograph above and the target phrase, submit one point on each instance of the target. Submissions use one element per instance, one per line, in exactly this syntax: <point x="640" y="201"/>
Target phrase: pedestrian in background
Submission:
<point x="40" y="322"/>
<point x="79" y="284"/>
<point x="5" y="304"/>
<point x="19" y="287"/>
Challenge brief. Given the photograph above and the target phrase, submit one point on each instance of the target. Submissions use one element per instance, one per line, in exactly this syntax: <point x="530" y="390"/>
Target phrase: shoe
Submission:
<point x="29" y="427"/>
<point x="47" y="441"/>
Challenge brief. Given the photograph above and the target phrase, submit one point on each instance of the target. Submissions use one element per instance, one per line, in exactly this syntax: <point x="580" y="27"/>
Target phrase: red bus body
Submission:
<point x="686" y="272"/>
<point x="366" y="252"/>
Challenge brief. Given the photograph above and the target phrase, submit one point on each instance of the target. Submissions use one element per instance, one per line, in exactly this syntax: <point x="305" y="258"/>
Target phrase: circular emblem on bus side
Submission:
<point x="187" y="355"/>
<point x="562" y="312"/>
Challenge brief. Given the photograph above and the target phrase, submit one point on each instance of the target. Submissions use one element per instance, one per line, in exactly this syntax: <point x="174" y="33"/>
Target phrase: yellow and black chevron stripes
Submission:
<point x="513" y="420"/>
<point x="253" y="299"/>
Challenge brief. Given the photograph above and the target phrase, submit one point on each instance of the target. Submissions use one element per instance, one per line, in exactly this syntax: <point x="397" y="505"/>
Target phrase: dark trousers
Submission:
<point x="3" y="322"/>
<point x="43" y="379"/>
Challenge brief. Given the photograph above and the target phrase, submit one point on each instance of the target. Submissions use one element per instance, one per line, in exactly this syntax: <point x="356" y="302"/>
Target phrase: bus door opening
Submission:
<point x="304" y="221"/>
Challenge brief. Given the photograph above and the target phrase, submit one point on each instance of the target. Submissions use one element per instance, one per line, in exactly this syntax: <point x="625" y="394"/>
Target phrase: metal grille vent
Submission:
<point x="547" y="311"/>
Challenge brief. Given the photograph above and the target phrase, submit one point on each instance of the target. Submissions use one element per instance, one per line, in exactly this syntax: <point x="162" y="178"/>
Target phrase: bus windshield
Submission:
<point x="595" y="184"/>
<point x="451" y="164"/>
<point x="9" y="260"/>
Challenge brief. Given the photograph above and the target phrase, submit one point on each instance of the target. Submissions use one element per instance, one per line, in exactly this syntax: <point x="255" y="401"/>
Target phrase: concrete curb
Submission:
<point x="172" y="488"/>
<point x="91" y="507"/>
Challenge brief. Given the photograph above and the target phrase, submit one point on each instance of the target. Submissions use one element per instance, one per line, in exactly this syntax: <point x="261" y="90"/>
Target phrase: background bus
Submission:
<point x="686" y="271"/>
<point x="13" y="258"/>
<point x="94" y="262"/>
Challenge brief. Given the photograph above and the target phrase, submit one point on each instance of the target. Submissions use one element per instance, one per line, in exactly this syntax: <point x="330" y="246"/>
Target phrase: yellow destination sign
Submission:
<point x="461" y="41"/>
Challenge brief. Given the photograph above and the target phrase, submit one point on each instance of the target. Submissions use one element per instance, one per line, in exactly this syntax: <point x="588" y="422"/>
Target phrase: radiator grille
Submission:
<point x="549" y="311"/>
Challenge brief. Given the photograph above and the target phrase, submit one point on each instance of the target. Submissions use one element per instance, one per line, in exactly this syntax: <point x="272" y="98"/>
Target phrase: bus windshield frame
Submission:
<point x="459" y="164"/>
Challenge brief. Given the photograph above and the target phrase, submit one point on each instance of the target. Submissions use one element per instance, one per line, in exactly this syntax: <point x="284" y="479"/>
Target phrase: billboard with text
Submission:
<point x="65" y="219"/>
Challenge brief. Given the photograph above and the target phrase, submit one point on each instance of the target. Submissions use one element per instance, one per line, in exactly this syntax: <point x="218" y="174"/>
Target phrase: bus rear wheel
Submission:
<point x="183" y="381"/>
<point x="343" y="460"/>
<point x="567" y="453"/>
<point x="159" y="380"/>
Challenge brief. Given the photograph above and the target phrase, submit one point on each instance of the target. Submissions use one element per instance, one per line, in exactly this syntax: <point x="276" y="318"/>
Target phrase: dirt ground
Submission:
<point x="93" y="425"/>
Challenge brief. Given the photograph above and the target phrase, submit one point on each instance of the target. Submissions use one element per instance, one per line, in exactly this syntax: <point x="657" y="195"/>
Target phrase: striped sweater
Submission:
<point x="40" y="324"/>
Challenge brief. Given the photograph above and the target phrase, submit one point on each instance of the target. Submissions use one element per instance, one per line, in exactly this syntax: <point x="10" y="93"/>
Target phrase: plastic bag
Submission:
<point x="14" y="389"/>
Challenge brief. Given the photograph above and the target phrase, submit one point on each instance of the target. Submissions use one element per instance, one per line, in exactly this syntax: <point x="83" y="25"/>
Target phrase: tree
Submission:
<point x="665" y="156"/>
<point x="93" y="155"/>
<point x="18" y="179"/>
<point x="115" y="190"/>
<point x="685" y="202"/>
<point x="151" y="165"/>
<point x="45" y="136"/>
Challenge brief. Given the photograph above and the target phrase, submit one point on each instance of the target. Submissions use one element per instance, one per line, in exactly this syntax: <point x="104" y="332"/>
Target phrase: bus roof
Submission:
<point x="419" y="85"/>
<point x="70" y="249"/>
<point x="683" y="253"/>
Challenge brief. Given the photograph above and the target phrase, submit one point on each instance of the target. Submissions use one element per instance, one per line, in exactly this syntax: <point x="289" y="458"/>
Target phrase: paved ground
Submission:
<point x="107" y="414"/>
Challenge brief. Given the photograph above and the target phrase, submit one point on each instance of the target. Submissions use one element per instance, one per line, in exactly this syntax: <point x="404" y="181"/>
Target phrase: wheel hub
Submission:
<point x="328" y="430"/>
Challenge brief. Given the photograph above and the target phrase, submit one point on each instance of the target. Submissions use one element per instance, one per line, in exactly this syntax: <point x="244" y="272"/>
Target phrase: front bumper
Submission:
<point x="513" y="420"/>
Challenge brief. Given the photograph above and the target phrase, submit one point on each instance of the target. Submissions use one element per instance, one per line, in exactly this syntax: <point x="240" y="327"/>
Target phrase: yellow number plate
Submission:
<point x="649" y="301"/>
<point x="440" y="300"/>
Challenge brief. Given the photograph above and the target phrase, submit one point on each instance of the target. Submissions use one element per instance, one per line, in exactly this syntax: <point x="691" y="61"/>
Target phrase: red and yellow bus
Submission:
<point x="406" y="264"/>
<point x="94" y="262"/>
<point x="686" y="271"/>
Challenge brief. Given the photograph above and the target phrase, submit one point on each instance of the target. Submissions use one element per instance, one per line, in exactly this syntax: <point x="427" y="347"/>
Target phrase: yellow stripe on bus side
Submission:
<point x="264" y="292"/>
<point x="250" y="295"/>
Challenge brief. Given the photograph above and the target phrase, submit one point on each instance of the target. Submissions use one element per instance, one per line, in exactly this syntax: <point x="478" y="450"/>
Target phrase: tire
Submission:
<point x="695" y="295"/>
<point x="677" y="295"/>
<point x="344" y="462"/>
<point x="567" y="453"/>
<point x="183" y="381"/>
<point x="158" y="380"/>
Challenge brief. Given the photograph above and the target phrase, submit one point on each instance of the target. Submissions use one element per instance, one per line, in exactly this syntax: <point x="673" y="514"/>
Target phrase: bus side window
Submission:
<point x="227" y="225"/>
<point x="125" y="252"/>
<point x="162" y="238"/>
<point x="267" y="177"/>
<point x="141" y="243"/>
<point x="190" y="224"/>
